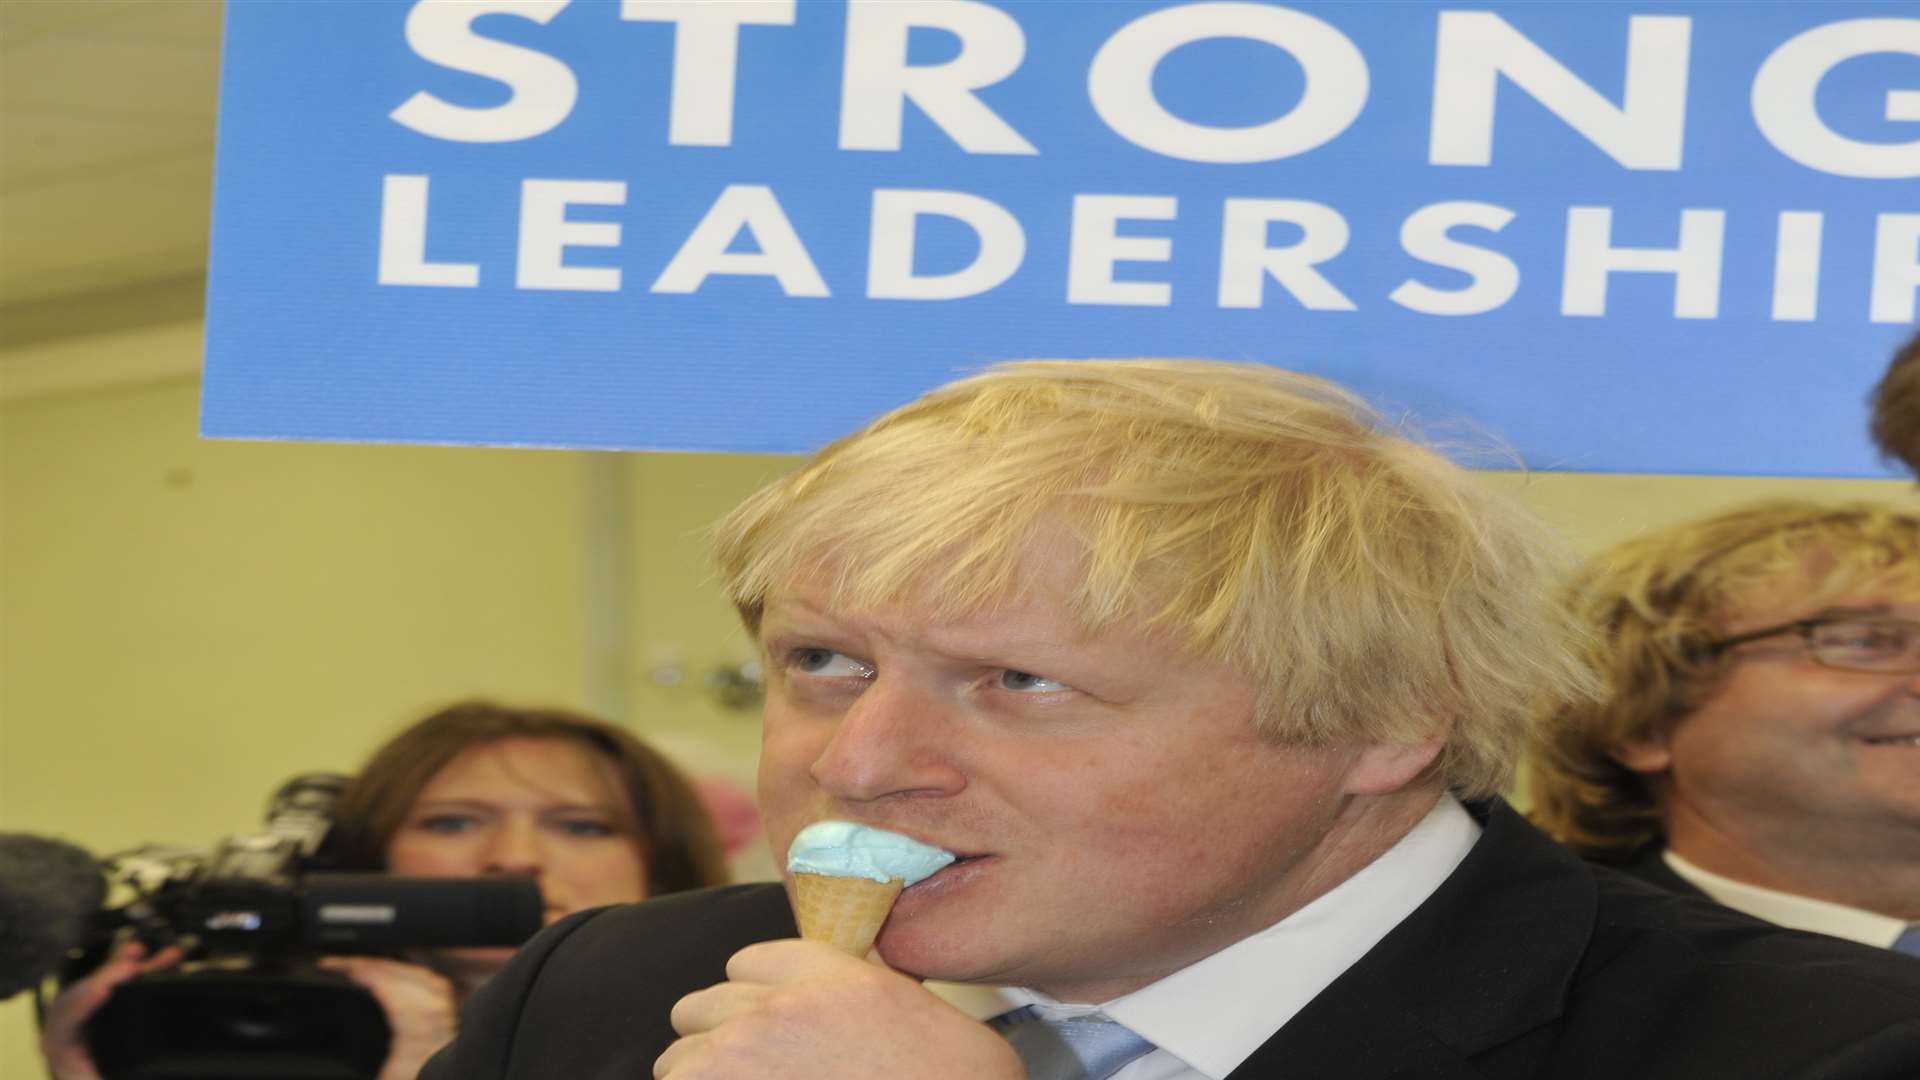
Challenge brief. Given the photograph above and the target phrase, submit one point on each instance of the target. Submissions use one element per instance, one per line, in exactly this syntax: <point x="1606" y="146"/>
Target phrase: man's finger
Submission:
<point x="704" y="1010"/>
<point x="676" y="1055"/>
<point x="789" y="960"/>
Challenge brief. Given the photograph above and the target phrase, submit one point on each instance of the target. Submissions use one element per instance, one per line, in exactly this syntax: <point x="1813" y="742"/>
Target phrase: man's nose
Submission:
<point x="516" y="849"/>
<point x="890" y="742"/>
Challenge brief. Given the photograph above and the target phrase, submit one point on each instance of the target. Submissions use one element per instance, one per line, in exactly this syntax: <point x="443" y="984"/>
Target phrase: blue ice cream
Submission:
<point x="843" y="849"/>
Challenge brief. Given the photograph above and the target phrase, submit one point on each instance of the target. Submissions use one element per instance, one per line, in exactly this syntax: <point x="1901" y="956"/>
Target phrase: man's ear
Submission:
<point x="1647" y="755"/>
<point x="1384" y="768"/>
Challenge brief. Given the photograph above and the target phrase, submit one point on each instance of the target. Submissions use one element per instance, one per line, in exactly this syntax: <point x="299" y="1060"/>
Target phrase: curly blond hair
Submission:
<point x="1658" y="603"/>
<point x="1374" y="590"/>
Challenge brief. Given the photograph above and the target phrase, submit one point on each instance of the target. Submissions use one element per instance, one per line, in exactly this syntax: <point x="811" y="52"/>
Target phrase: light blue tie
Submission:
<point x="1075" y="1048"/>
<point x="1908" y="942"/>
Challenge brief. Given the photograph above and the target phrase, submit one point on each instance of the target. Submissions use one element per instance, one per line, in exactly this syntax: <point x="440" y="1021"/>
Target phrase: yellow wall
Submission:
<point x="1595" y="510"/>
<point x="184" y="623"/>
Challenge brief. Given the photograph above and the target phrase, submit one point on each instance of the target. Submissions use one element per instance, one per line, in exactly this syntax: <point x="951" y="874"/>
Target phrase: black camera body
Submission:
<point x="248" y="1002"/>
<point x="249" y="1023"/>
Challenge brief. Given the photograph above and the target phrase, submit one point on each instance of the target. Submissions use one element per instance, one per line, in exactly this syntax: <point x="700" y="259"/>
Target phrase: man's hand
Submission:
<point x="804" y="1010"/>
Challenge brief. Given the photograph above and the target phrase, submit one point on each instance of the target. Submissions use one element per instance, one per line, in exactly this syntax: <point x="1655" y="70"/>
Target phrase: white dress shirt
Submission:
<point x="1790" y="911"/>
<point x="1207" y="1018"/>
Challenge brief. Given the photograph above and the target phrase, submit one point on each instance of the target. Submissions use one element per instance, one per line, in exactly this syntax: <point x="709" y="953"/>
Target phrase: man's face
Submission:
<point x="1789" y="756"/>
<point x="1115" y="813"/>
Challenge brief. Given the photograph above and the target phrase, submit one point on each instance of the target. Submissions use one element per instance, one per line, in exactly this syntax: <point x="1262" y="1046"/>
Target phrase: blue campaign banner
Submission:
<point x="1646" y="237"/>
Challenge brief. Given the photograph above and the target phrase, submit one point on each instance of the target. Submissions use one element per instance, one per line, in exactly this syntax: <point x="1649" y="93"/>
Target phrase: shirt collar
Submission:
<point x="1789" y="910"/>
<point x="1216" y="1012"/>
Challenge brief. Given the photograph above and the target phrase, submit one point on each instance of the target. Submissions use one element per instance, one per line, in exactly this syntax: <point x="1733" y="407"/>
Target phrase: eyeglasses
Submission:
<point x="1852" y="643"/>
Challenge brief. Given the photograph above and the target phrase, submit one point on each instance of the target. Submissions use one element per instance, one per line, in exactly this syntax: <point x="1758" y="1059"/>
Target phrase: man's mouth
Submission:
<point x="959" y="861"/>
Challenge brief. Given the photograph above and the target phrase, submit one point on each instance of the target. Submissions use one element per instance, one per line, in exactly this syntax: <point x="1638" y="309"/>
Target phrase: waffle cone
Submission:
<point x="844" y="912"/>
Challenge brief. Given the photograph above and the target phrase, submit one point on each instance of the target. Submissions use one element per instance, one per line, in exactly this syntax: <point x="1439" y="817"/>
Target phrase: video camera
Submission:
<point x="248" y="1002"/>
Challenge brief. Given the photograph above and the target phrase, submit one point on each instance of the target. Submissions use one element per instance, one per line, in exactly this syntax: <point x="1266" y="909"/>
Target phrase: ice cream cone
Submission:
<point x="844" y="912"/>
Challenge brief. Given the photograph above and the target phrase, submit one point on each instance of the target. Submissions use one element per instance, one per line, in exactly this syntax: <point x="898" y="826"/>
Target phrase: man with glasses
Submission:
<point x="1760" y="739"/>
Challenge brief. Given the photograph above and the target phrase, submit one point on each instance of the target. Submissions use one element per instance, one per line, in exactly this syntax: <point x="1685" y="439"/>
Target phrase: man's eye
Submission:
<point x="1868" y="637"/>
<point x="1028" y="682"/>
<point x="817" y="661"/>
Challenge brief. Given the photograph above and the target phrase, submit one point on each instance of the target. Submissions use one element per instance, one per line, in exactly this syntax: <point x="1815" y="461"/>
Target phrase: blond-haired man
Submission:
<point x="1760" y="739"/>
<point x="1195" y="666"/>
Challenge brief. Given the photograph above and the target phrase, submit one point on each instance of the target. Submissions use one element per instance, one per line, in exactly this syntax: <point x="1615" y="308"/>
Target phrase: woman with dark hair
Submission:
<point x="477" y="788"/>
<point x="593" y="814"/>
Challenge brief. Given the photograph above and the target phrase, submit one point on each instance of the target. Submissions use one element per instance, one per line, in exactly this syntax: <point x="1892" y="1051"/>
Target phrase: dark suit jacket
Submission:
<point x="1649" y="865"/>
<point x="1526" y="963"/>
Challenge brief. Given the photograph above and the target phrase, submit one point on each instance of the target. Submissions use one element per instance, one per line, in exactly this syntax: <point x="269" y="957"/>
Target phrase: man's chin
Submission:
<point x="914" y="952"/>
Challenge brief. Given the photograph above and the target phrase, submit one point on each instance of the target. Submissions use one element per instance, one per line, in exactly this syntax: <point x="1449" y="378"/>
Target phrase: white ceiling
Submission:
<point x="106" y="162"/>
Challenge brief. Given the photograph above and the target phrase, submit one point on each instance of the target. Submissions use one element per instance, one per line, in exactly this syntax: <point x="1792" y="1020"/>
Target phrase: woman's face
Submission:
<point x="547" y="808"/>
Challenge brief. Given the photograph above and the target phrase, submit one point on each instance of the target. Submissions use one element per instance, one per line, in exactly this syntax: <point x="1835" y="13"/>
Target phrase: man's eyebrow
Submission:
<point x="1851" y="612"/>
<point x="791" y="612"/>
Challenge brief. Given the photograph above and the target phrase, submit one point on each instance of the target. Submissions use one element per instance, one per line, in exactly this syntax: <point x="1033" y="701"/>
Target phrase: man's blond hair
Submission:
<point x="1658" y="603"/>
<point x="1373" y="590"/>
